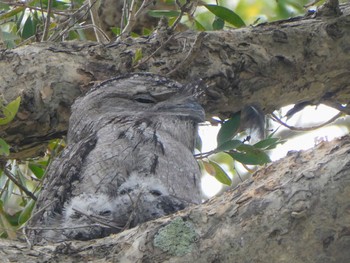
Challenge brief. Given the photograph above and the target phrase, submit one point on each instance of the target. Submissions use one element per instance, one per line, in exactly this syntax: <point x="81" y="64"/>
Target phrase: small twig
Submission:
<point x="239" y="175"/>
<point x="200" y="156"/>
<point x="155" y="52"/>
<point x="248" y="169"/>
<point x="63" y="228"/>
<point x="47" y="21"/>
<point x="134" y="205"/>
<point x="19" y="185"/>
<point x="96" y="28"/>
<point x="337" y="106"/>
<point x="30" y="244"/>
<point x="131" y="18"/>
<point x="178" y="19"/>
<point x="96" y="219"/>
<point x="54" y="37"/>
<point x="144" y="5"/>
<point x="293" y="128"/>
<point x="311" y="3"/>
<point x="99" y="34"/>
<point x="196" y="45"/>
<point x="134" y="15"/>
<point x="35" y="8"/>
<point x="124" y="14"/>
<point x="39" y="211"/>
<point x="5" y="188"/>
<point x="25" y="227"/>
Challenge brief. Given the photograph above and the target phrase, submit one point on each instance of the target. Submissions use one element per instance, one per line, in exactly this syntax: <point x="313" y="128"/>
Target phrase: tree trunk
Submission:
<point x="295" y="210"/>
<point x="275" y="64"/>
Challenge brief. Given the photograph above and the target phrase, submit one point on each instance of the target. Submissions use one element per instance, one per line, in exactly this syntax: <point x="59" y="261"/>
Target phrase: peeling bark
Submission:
<point x="295" y="210"/>
<point x="275" y="64"/>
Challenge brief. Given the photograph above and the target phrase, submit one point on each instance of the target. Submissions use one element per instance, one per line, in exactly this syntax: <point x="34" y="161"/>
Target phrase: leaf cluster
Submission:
<point x="25" y="22"/>
<point x="229" y="142"/>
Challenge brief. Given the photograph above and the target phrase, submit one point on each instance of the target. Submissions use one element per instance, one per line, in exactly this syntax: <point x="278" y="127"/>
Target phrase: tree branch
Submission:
<point x="299" y="201"/>
<point x="271" y="65"/>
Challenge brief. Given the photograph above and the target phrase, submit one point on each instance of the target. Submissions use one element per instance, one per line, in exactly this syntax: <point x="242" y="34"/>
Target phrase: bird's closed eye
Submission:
<point x="105" y="213"/>
<point x="145" y="98"/>
<point x="155" y="192"/>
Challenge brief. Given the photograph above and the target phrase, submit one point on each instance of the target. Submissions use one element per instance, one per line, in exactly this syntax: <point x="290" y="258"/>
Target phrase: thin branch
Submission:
<point x="19" y="185"/>
<point x="337" y="106"/>
<point x="183" y="9"/>
<point x="155" y="52"/>
<point x="293" y="128"/>
<point x="196" y="45"/>
<point x="134" y="15"/>
<point x="97" y="219"/>
<point x="63" y="228"/>
<point x="100" y="35"/>
<point x="47" y="21"/>
<point x="57" y="35"/>
<point x="17" y="4"/>
<point x="131" y="18"/>
<point x="200" y="156"/>
<point x="312" y="3"/>
<point x="25" y="227"/>
<point x="132" y="214"/>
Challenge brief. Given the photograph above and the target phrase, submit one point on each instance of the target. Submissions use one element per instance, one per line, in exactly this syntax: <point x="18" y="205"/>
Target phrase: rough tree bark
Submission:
<point x="295" y="210"/>
<point x="304" y="59"/>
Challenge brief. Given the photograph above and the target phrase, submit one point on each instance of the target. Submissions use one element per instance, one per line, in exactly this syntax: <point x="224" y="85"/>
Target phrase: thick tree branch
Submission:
<point x="272" y="65"/>
<point x="295" y="210"/>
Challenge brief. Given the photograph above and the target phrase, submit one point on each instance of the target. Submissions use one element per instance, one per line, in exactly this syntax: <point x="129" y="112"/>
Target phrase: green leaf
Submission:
<point x="20" y="20"/>
<point x="26" y="212"/>
<point x="134" y="35"/>
<point x="250" y="155"/>
<point x="146" y="31"/>
<point x="266" y="143"/>
<point x="218" y="23"/>
<point x="226" y="14"/>
<point x="116" y="30"/>
<point x="199" y="26"/>
<point x="9" y="111"/>
<point x="269" y="143"/>
<point x="62" y="5"/>
<point x="28" y="28"/>
<point x="215" y="170"/>
<point x="12" y="13"/>
<point x="138" y="56"/>
<point x="273" y="146"/>
<point x="37" y="170"/>
<point x="4" y="148"/>
<point x="6" y="226"/>
<point x="4" y="6"/>
<point x="247" y="148"/>
<point x="228" y="145"/>
<point x="161" y="13"/>
<point x="246" y="158"/>
<point x="9" y="39"/>
<point x="228" y="129"/>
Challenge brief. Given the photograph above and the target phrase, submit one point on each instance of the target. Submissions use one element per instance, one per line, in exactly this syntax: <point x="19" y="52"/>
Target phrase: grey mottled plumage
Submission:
<point x="128" y="160"/>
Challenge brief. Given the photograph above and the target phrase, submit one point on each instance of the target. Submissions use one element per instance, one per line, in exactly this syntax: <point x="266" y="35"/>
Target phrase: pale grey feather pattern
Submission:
<point x="129" y="159"/>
